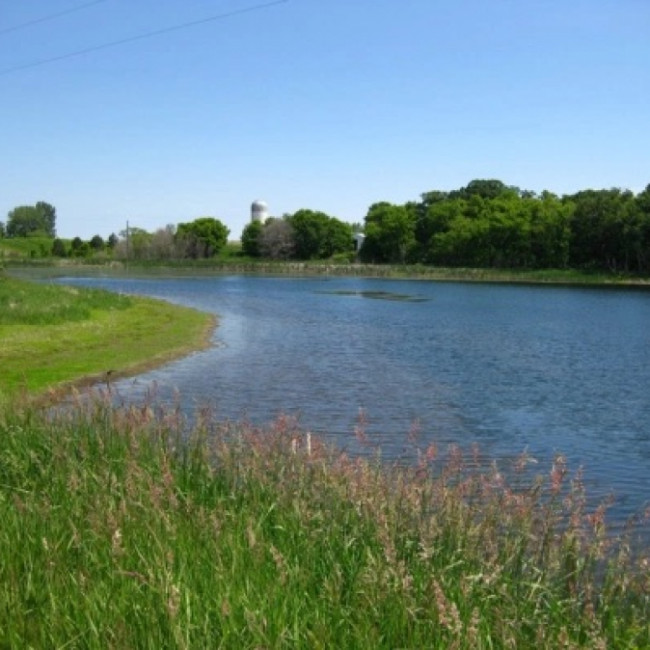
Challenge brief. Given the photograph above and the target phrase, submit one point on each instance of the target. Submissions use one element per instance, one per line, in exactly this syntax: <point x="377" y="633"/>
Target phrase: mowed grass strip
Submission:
<point x="53" y="335"/>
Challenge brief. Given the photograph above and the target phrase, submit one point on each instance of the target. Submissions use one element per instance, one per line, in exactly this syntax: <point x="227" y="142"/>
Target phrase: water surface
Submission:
<point x="512" y="368"/>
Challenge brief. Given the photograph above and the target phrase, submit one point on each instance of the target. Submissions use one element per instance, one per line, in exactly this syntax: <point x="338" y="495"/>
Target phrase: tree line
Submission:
<point x="485" y="224"/>
<point x="488" y="224"/>
<point x="201" y="238"/>
<point x="304" y="235"/>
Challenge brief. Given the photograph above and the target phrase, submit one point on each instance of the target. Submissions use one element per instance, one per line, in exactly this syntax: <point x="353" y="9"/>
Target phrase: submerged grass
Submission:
<point x="51" y="335"/>
<point x="122" y="530"/>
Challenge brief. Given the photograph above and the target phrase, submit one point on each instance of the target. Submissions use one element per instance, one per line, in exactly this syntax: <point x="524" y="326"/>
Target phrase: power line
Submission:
<point x="43" y="19"/>
<point x="139" y="37"/>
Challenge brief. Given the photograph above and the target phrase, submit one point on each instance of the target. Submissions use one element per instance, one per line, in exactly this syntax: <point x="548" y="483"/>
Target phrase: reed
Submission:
<point x="127" y="527"/>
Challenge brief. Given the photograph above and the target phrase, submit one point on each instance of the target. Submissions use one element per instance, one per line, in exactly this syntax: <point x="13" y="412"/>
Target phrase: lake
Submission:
<point x="542" y="369"/>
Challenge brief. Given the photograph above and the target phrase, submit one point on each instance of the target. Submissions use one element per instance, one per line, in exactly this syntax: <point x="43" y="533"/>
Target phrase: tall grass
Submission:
<point x="121" y="530"/>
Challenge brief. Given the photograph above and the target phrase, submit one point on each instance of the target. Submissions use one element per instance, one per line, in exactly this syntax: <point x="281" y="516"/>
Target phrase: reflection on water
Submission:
<point x="542" y="369"/>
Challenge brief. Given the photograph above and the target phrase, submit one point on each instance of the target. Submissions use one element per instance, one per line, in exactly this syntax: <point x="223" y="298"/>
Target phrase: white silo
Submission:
<point x="259" y="211"/>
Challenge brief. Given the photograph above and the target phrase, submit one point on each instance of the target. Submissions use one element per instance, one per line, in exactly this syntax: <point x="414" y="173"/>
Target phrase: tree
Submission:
<point x="203" y="237"/>
<point x="276" y="239"/>
<point x="26" y="220"/>
<point x="643" y="205"/>
<point x="435" y="218"/>
<point x="133" y="244"/>
<point x="464" y="243"/>
<point x="316" y="235"/>
<point x="550" y="233"/>
<point x="164" y="245"/>
<point x="58" y="248"/>
<point x="48" y="216"/>
<point x="79" y="248"/>
<point x="250" y="238"/>
<point x="605" y="229"/>
<point x="508" y="236"/>
<point x="390" y="233"/>
<point x="112" y="240"/>
<point x="97" y="243"/>
<point x="338" y="238"/>
<point x="3" y="231"/>
<point x="308" y="233"/>
<point x="486" y="189"/>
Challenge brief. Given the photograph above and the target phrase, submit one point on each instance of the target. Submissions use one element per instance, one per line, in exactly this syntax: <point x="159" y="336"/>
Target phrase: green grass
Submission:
<point x="120" y="533"/>
<point x="51" y="335"/>
<point x="25" y="247"/>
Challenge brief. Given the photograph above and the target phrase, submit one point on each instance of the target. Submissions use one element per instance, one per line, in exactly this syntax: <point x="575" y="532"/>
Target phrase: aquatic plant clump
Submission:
<point x="119" y="530"/>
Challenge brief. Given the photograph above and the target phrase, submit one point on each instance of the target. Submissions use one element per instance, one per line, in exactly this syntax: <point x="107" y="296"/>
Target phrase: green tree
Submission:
<point x="465" y="243"/>
<point x="3" y="230"/>
<point x="317" y="235"/>
<point x="433" y="197"/>
<point x="79" y="248"/>
<point x="549" y="227"/>
<point x="250" y="238"/>
<point x="338" y="238"/>
<point x="97" y="243"/>
<point x="507" y="237"/>
<point x="434" y="218"/>
<point x="203" y="237"/>
<point x="58" y="248"/>
<point x="26" y="220"/>
<point x="48" y="217"/>
<point x="606" y="227"/>
<point x="643" y="206"/>
<point x="133" y="244"/>
<point x="491" y="224"/>
<point x="486" y="189"/>
<point x="308" y="233"/>
<point x="390" y="233"/>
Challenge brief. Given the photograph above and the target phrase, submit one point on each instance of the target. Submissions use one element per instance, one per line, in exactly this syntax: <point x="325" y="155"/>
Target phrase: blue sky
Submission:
<point x="324" y="104"/>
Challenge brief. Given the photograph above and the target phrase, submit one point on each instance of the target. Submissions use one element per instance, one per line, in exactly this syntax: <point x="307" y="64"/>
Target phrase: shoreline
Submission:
<point x="552" y="277"/>
<point x="88" y="382"/>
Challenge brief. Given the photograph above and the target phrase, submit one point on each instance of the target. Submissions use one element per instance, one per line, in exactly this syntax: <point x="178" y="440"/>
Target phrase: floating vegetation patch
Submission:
<point x="379" y="295"/>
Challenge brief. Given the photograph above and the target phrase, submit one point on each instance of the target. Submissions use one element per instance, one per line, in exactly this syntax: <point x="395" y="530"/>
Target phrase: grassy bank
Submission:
<point x="118" y="535"/>
<point x="54" y="335"/>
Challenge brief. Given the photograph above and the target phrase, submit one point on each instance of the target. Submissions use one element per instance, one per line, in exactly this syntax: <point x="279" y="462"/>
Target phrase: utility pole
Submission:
<point x="127" y="245"/>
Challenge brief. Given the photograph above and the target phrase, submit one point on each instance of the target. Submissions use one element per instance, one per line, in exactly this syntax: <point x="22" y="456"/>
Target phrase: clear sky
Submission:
<point x="330" y="105"/>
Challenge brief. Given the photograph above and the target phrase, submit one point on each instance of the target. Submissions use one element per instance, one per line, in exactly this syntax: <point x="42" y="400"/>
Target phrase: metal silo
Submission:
<point x="259" y="211"/>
